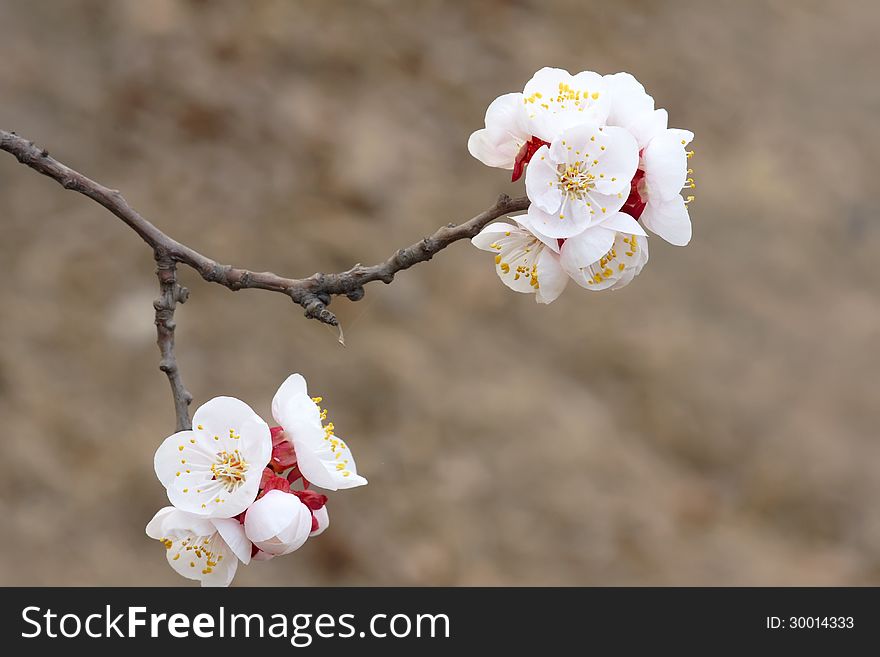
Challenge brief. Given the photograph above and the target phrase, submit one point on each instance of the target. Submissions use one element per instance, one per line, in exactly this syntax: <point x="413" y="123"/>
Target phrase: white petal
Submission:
<point x="194" y="548"/>
<point x="278" y="523"/>
<point x="685" y="136"/>
<point x="293" y="386"/>
<point x="633" y="253"/>
<point x="232" y="532"/>
<point x="648" y="126"/>
<point x="614" y="160"/>
<point x="542" y="180"/>
<point x="489" y="236"/>
<point x="323" y="519"/>
<point x="498" y="144"/>
<point x="546" y="80"/>
<point x="166" y="461"/>
<point x="585" y="249"/>
<point x="556" y="100"/>
<point x="494" y="148"/>
<point x="629" y="101"/>
<point x="665" y="163"/>
<point x="604" y="205"/>
<point x="614" y="269"/>
<point x="620" y="221"/>
<point x="506" y="113"/>
<point x="668" y="219"/>
<point x="551" y="242"/>
<point x="326" y="462"/>
<point x="154" y="527"/>
<point x="574" y="144"/>
<point x="552" y="278"/>
<point x="227" y="417"/>
<point x="555" y="226"/>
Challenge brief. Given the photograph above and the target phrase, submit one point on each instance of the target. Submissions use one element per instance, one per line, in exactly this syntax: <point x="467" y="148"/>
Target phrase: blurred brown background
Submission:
<point x="713" y="423"/>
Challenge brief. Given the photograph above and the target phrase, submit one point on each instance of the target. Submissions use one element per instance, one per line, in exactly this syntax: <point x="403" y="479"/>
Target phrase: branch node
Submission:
<point x="316" y="309"/>
<point x="356" y="294"/>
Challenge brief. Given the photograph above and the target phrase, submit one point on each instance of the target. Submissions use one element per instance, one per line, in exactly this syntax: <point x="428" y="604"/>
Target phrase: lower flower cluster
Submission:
<point x="241" y="491"/>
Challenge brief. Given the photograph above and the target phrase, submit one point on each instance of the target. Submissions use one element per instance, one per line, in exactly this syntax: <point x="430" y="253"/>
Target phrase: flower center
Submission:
<point x="230" y="469"/>
<point x="575" y="180"/>
<point x="198" y="549"/>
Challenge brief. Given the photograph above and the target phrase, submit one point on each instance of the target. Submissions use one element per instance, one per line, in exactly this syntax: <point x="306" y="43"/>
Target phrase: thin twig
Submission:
<point x="170" y="294"/>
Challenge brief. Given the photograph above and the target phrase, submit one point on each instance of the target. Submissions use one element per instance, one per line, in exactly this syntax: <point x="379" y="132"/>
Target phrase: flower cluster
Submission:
<point x="231" y="481"/>
<point x="600" y="166"/>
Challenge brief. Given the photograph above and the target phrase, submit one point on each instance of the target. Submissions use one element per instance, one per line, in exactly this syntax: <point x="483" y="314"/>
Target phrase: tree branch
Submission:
<point x="312" y="293"/>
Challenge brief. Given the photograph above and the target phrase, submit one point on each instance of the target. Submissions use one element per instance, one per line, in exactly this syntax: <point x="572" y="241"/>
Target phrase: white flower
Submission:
<point x="278" y="523"/>
<point x="323" y="520"/>
<point x="608" y="256"/>
<point x="581" y="179"/>
<point x="665" y="165"/>
<point x="523" y="261"/>
<point x="499" y="143"/>
<point x="517" y="124"/>
<point x="214" y="470"/>
<point x="555" y="100"/>
<point x="204" y="549"/>
<point x="323" y="458"/>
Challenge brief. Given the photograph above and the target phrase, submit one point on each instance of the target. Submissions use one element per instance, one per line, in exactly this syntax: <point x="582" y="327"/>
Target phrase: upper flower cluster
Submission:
<point x="230" y="478"/>
<point x="601" y="165"/>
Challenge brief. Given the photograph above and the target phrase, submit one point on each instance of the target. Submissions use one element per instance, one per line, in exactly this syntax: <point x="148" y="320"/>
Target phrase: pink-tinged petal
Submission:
<point x="283" y="456"/>
<point x="668" y="219"/>
<point x="323" y="520"/>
